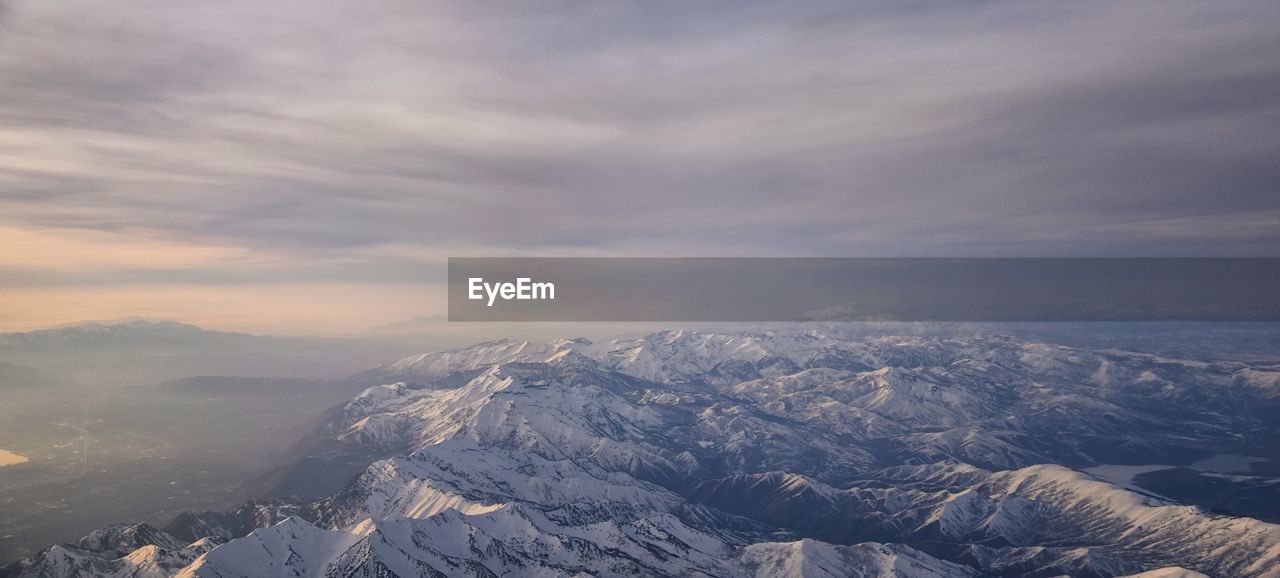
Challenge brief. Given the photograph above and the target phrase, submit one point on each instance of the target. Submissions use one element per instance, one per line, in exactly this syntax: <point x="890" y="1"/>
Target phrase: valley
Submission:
<point x="732" y="453"/>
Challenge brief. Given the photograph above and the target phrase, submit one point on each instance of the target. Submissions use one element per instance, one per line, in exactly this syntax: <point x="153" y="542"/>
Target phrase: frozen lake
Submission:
<point x="1219" y="464"/>
<point x="1226" y="464"/>
<point x="1123" y="475"/>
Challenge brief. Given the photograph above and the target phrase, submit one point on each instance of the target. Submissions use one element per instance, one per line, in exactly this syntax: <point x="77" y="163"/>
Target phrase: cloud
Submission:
<point x="329" y="137"/>
<point x="87" y="250"/>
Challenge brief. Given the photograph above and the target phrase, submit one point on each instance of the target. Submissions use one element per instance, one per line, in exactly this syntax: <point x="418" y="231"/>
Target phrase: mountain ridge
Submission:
<point x="682" y="453"/>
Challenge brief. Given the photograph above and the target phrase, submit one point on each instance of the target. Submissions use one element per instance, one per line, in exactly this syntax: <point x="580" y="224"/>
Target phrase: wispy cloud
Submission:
<point x="329" y="139"/>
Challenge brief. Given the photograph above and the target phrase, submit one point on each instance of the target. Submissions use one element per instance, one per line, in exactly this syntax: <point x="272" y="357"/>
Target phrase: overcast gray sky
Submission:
<point x="306" y="167"/>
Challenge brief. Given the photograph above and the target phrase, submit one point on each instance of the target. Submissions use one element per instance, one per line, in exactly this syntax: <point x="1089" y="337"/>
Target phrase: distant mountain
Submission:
<point x="141" y="351"/>
<point x="112" y="334"/>
<point x="803" y="453"/>
<point x="421" y="323"/>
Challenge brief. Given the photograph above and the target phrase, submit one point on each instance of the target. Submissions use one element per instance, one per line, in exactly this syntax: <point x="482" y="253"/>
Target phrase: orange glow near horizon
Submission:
<point x="310" y="309"/>
<point x="45" y="282"/>
<point x="85" y="249"/>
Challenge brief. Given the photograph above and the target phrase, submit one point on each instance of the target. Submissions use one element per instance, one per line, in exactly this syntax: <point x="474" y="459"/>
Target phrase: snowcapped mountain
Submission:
<point x="126" y="551"/>
<point x="806" y="453"/>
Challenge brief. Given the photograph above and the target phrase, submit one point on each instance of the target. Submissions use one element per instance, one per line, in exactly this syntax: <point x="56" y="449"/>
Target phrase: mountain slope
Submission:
<point x="792" y="454"/>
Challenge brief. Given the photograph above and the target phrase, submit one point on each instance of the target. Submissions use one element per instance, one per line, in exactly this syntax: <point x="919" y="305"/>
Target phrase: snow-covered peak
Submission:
<point x="810" y="558"/>
<point x="779" y="453"/>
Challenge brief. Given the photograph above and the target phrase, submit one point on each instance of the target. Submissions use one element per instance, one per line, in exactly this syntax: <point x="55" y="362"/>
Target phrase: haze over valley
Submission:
<point x="239" y="336"/>
<point x="826" y="447"/>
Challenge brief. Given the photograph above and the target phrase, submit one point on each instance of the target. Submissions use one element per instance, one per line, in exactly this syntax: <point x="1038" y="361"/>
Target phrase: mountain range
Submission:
<point x="811" y="452"/>
<point x="142" y="351"/>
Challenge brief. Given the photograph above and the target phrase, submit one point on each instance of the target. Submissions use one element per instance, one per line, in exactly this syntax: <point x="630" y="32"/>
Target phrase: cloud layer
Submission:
<point x="242" y="143"/>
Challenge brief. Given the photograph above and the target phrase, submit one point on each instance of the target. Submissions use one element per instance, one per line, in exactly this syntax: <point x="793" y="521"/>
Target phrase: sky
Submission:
<point x="307" y="167"/>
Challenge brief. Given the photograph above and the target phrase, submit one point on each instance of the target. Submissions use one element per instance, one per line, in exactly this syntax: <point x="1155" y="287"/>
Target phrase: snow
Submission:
<point x="1123" y="475"/>
<point x="1170" y="572"/>
<point x="1226" y="463"/>
<point x="563" y="458"/>
<point x="1265" y="380"/>
<point x="288" y="549"/>
<point x="810" y="558"/>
